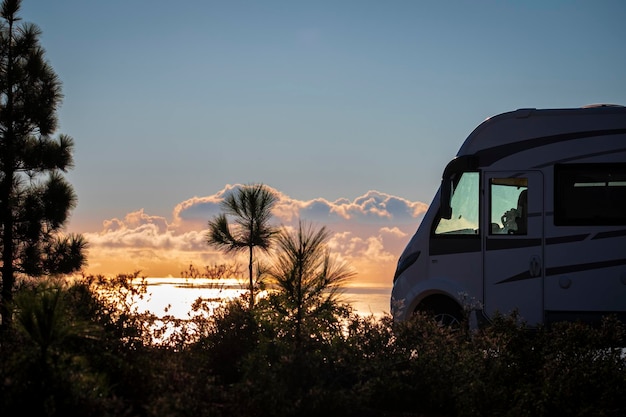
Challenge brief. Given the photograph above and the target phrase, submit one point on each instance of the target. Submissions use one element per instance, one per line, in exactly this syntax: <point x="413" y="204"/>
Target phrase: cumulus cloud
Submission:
<point x="368" y="232"/>
<point x="134" y="219"/>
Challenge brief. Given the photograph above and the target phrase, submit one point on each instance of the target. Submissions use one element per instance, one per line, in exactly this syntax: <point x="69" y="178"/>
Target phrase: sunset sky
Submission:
<point x="349" y="110"/>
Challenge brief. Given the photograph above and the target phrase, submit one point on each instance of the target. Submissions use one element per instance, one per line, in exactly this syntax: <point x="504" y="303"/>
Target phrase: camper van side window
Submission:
<point x="509" y="206"/>
<point x="465" y="206"/>
<point x="590" y="194"/>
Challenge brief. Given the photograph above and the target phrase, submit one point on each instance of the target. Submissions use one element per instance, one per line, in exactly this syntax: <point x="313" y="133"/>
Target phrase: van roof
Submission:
<point x="529" y="128"/>
<point x="590" y="106"/>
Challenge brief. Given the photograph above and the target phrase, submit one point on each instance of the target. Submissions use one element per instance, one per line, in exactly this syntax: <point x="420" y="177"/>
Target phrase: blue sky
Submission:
<point x="168" y="101"/>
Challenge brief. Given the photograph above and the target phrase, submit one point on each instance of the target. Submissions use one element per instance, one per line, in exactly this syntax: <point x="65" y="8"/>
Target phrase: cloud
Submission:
<point x="134" y="219"/>
<point x="373" y="207"/>
<point x="368" y="232"/>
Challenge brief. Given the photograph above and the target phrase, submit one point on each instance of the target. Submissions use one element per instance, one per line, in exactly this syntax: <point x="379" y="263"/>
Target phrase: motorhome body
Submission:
<point x="530" y="216"/>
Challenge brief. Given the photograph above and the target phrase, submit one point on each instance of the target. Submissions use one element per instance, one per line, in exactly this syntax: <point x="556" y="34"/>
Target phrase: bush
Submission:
<point x="243" y="362"/>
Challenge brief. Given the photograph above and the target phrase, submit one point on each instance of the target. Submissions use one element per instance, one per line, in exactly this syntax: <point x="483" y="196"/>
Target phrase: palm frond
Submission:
<point x="220" y="236"/>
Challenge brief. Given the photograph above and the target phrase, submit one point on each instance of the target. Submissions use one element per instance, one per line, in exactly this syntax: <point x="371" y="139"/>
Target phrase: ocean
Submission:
<point x="175" y="296"/>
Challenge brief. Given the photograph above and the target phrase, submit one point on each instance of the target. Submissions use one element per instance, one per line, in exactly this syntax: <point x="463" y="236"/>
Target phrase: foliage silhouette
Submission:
<point x="215" y="271"/>
<point x="250" y="208"/>
<point x="244" y="362"/>
<point x="307" y="281"/>
<point x="35" y="198"/>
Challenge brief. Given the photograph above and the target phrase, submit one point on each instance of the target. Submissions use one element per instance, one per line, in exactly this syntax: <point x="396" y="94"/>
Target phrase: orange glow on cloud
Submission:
<point x="368" y="233"/>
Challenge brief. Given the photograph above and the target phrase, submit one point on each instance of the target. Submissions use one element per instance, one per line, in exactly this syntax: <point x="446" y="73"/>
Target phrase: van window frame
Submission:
<point x="565" y="183"/>
<point x="516" y="184"/>
<point x="456" y="179"/>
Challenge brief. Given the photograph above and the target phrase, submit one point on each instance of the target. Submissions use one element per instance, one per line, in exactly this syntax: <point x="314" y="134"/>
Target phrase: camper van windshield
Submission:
<point x="464" y="203"/>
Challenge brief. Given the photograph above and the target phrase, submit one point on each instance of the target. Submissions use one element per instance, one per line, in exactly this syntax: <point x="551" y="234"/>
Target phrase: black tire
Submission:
<point x="444" y="310"/>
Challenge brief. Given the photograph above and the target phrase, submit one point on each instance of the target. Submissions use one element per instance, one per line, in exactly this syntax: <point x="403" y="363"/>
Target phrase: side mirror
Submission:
<point x="445" y="207"/>
<point x="452" y="171"/>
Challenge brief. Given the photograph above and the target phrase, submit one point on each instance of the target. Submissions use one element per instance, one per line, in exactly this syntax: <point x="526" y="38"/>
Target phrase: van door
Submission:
<point x="513" y="250"/>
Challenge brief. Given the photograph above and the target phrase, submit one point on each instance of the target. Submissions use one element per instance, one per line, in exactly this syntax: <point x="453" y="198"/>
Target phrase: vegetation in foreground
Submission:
<point x="83" y="349"/>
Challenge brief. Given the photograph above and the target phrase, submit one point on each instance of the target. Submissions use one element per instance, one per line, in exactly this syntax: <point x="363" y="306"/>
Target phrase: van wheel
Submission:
<point x="448" y="320"/>
<point x="443" y="309"/>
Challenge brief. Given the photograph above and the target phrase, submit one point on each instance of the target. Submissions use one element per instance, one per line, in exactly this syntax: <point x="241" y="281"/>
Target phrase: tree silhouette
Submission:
<point x="35" y="198"/>
<point x="42" y="314"/>
<point x="250" y="208"/>
<point x="308" y="278"/>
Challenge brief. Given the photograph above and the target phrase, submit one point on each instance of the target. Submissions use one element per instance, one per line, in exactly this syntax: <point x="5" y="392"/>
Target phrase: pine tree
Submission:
<point x="250" y="207"/>
<point x="35" y="198"/>
<point x="308" y="281"/>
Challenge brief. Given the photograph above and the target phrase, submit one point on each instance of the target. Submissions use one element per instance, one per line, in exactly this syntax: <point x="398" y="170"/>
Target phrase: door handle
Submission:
<point x="535" y="266"/>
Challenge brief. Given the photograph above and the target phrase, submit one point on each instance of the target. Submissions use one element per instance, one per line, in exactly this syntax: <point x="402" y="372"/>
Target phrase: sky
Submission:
<point x="349" y="110"/>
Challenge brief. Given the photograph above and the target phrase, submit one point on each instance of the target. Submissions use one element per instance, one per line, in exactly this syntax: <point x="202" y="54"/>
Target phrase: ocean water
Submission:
<point x="175" y="296"/>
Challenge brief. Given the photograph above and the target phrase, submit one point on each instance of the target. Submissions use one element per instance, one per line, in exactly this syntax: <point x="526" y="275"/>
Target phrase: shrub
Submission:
<point x="247" y="362"/>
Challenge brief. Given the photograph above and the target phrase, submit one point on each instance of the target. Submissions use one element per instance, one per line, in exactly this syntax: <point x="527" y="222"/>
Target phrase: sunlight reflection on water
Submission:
<point x="175" y="296"/>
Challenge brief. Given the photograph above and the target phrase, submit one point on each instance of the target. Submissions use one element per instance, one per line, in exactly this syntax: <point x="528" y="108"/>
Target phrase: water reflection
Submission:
<point x="175" y="296"/>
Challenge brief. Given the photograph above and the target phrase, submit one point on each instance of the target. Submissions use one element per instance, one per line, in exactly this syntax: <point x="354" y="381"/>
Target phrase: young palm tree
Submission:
<point x="250" y="208"/>
<point x="308" y="279"/>
<point x="42" y="315"/>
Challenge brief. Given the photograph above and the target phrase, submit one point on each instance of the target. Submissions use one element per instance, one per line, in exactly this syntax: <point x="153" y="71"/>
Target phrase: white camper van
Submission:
<point x="530" y="216"/>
